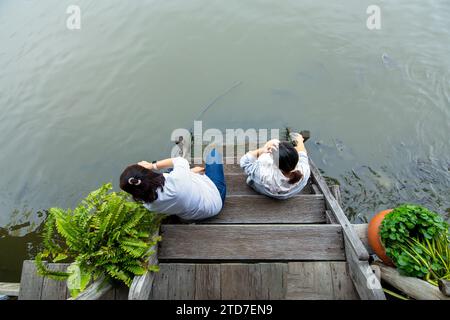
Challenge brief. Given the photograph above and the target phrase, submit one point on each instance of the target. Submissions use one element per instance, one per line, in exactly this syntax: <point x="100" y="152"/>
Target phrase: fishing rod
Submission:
<point x="180" y="142"/>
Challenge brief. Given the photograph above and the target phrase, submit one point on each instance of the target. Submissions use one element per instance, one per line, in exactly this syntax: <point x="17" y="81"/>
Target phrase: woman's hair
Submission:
<point x="287" y="161"/>
<point x="141" y="183"/>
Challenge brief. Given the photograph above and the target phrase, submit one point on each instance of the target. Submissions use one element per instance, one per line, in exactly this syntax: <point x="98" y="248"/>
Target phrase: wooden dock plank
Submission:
<point x="207" y="282"/>
<point x="55" y="289"/>
<point x="9" y="289"/>
<point x="320" y="280"/>
<point x="255" y="281"/>
<point x="273" y="277"/>
<point x="263" y="210"/>
<point x="160" y="286"/>
<point x="235" y="284"/>
<point x="30" y="282"/>
<point x="181" y="281"/>
<point x="343" y="288"/>
<point x="252" y="242"/>
<point x="309" y="281"/>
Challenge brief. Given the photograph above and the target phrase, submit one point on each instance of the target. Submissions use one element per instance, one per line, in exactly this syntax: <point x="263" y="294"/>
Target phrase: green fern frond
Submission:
<point x="106" y="234"/>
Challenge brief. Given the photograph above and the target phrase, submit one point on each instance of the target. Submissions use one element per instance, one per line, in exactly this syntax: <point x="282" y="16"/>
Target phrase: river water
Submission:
<point x="78" y="105"/>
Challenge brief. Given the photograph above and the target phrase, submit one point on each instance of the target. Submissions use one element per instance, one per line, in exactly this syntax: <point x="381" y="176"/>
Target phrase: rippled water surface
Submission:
<point x="77" y="106"/>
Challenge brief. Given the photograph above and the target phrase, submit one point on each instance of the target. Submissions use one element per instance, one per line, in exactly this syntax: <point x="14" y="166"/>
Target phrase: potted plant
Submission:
<point x="106" y="235"/>
<point x="417" y="242"/>
<point x="374" y="236"/>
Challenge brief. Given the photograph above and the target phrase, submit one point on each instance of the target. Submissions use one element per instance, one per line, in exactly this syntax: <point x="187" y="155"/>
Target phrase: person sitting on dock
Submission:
<point x="191" y="194"/>
<point x="279" y="169"/>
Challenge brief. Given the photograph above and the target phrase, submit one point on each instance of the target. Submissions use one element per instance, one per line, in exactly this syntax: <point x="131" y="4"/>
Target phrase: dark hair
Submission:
<point x="287" y="161"/>
<point x="141" y="183"/>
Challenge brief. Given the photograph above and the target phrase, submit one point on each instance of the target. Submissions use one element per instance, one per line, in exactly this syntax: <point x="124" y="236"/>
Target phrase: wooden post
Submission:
<point x="335" y="208"/>
<point x="366" y="283"/>
<point x="336" y="193"/>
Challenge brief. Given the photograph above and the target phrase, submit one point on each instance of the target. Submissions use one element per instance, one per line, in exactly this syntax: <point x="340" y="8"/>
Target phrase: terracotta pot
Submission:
<point x="375" y="239"/>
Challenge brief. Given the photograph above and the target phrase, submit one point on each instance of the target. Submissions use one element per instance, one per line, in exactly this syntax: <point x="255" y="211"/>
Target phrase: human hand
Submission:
<point x="199" y="170"/>
<point x="297" y="137"/>
<point x="146" y="164"/>
<point x="271" y="145"/>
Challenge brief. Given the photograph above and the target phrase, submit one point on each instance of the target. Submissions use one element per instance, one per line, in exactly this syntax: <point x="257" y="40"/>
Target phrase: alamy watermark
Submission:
<point x="373" y="21"/>
<point x="73" y="21"/>
<point x="195" y="145"/>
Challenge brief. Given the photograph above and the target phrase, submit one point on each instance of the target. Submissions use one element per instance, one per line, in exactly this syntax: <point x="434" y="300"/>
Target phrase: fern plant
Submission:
<point x="107" y="234"/>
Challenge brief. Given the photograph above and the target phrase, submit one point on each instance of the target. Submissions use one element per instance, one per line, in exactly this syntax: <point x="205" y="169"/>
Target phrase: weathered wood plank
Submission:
<point x="336" y="193"/>
<point x="343" y="288"/>
<point x="315" y="189"/>
<point x="237" y="185"/>
<point x="181" y="281"/>
<point x="160" y="287"/>
<point x="309" y="281"/>
<point x="361" y="231"/>
<point x="30" y="282"/>
<point x="413" y="287"/>
<point x="235" y="283"/>
<point x="264" y="210"/>
<point x="273" y="278"/>
<point x="353" y="240"/>
<point x="55" y="289"/>
<point x="365" y="281"/>
<point x="251" y="242"/>
<point x="207" y="282"/>
<point x="9" y="289"/>
<point x="255" y="284"/>
<point x="330" y="218"/>
<point x="324" y="280"/>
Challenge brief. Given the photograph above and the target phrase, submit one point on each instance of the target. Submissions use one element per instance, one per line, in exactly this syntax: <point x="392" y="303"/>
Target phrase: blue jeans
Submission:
<point x="214" y="171"/>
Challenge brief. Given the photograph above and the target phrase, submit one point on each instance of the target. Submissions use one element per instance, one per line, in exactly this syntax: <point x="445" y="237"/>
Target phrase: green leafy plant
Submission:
<point x="417" y="241"/>
<point x="107" y="235"/>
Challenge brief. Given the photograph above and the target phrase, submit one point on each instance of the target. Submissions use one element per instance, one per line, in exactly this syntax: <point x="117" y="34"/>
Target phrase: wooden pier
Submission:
<point x="256" y="248"/>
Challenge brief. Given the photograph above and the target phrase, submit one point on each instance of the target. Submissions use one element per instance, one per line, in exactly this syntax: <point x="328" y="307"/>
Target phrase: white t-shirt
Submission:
<point x="191" y="196"/>
<point x="265" y="177"/>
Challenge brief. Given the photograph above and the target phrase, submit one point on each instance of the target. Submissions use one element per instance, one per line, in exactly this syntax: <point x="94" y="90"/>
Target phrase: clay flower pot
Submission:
<point x="375" y="239"/>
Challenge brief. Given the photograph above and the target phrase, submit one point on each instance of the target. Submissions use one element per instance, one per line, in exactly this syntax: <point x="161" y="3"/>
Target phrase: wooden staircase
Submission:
<point x="261" y="248"/>
<point x="256" y="248"/>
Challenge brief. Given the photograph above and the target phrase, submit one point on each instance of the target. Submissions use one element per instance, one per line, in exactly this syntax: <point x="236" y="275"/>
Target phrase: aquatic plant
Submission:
<point x="417" y="241"/>
<point x="107" y="234"/>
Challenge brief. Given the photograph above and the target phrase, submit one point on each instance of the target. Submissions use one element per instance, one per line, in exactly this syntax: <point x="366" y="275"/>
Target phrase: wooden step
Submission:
<point x="220" y="281"/>
<point x="241" y="209"/>
<point x="251" y="242"/>
<point x="237" y="185"/>
<point x="310" y="280"/>
<point x="319" y="280"/>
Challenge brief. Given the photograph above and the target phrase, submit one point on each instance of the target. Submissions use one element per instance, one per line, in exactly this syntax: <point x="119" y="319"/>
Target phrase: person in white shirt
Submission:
<point x="279" y="169"/>
<point x="191" y="194"/>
